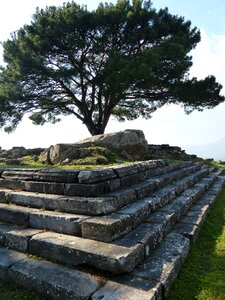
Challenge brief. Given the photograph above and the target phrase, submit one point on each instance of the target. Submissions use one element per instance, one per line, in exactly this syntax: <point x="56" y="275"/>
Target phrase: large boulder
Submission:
<point x="129" y="143"/>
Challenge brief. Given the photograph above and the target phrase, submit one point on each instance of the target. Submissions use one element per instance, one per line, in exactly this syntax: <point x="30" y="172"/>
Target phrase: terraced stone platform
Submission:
<point x="68" y="234"/>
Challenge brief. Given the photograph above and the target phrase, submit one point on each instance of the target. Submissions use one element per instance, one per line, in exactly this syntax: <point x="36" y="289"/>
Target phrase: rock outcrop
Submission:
<point x="14" y="156"/>
<point x="131" y="144"/>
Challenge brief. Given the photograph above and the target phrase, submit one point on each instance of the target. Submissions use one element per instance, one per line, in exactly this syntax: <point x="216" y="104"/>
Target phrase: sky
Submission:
<point x="201" y="133"/>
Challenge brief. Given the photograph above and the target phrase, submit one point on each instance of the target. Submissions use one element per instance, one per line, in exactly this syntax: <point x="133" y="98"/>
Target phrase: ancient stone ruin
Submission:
<point x="118" y="233"/>
<point x="129" y="145"/>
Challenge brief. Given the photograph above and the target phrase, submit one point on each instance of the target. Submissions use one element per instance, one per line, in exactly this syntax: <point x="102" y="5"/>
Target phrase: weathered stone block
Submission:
<point x="126" y="170"/>
<point x="14" y="214"/>
<point x="4" y="228"/>
<point x="8" y="258"/>
<point x="87" y="205"/>
<point x="19" y="174"/>
<point x="77" y="251"/>
<point x="144" y="188"/>
<point x="30" y="199"/>
<point x="53" y="281"/>
<point x="93" y="176"/>
<point x="56" y="221"/>
<point x="154" y="202"/>
<point x="190" y="231"/>
<point x="138" y="211"/>
<point x="45" y="187"/>
<point x="106" y="228"/>
<point x="208" y="200"/>
<point x="92" y="190"/>
<point x="3" y="196"/>
<point x="166" y="194"/>
<point x="56" y="176"/>
<point x="18" y="239"/>
<point x="131" y="289"/>
<point x="130" y="180"/>
<point x="164" y="264"/>
<point x="13" y="185"/>
<point x="200" y="206"/>
<point x="179" y="206"/>
<point x="194" y="217"/>
<point x="124" y="196"/>
<point x="149" y="235"/>
<point x="166" y="219"/>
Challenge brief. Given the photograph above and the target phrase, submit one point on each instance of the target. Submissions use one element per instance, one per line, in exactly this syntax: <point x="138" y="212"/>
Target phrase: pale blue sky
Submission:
<point x="169" y="124"/>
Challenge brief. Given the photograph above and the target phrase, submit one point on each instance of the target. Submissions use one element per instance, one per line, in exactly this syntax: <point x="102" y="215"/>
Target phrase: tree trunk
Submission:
<point x="94" y="129"/>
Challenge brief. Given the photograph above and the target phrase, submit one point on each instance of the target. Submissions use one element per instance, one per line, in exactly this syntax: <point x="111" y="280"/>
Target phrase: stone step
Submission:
<point x="160" y="223"/>
<point x="46" y="278"/>
<point x="118" y="257"/>
<point x="164" y="263"/>
<point x="148" y="257"/>
<point x="85" y="183"/>
<point x="103" y="228"/>
<point x="153" y="278"/>
<point x="97" y="205"/>
<point x="150" y="280"/>
<point x="190" y="225"/>
<point x="41" y="219"/>
<point x="110" y="227"/>
<point x="72" y="250"/>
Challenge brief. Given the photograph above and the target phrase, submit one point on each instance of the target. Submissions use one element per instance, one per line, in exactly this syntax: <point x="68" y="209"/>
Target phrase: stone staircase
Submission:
<point x="117" y="233"/>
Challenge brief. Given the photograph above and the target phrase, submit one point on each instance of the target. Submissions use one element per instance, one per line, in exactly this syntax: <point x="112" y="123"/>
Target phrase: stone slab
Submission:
<point x="138" y="211"/>
<point x="58" y="222"/>
<point x="166" y="219"/>
<point x="61" y="176"/>
<point x="179" y="206"/>
<point x="79" y="251"/>
<point x="7" y="259"/>
<point x="18" y="239"/>
<point x="131" y="289"/>
<point x="208" y="200"/>
<point x="14" y="214"/>
<point x="125" y="170"/>
<point x="35" y="200"/>
<point x="164" y="264"/>
<point x="44" y="187"/>
<point x="144" y="188"/>
<point x="106" y="228"/>
<point x="12" y="184"/>
<point x="149" y="235"/>
<point x="53" y="281"/>
<point x="93" y="176"/>
<point x="80" y="205"/>
<point x="3" y="195"/>
<point x="190" y="231"/>
<point x="124" y="196"/>
<point x="166" y="194"/>
<point x="91" y="190"/>
<point x="87" y="205"/>
<point x="199" y="206"/>
<point x="4" y="227"/>
<point x="130" y="180"/>
<point x="154" y="202"/>
<point x="194" y="217"/>
<point x="19" y="174"/>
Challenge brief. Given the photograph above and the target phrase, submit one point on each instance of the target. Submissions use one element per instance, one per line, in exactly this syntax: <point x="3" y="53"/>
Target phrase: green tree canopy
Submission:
<point x="123" y="60"/>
